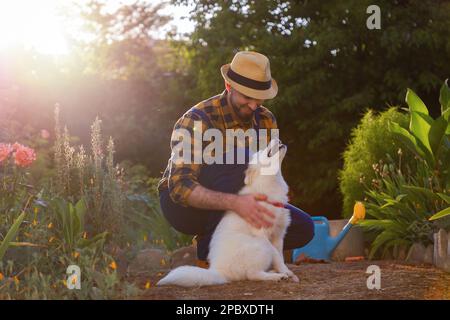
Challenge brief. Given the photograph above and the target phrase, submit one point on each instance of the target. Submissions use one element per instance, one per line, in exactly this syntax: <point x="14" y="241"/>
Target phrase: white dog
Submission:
<point x="238" y="251"/>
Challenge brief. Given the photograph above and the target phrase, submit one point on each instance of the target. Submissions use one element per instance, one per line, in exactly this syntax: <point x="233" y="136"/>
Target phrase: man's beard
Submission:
<point x="244" y="112"/>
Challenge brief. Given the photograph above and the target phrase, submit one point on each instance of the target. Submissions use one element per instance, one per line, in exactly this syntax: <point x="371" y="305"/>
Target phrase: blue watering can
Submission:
<point x="322" y="245"/>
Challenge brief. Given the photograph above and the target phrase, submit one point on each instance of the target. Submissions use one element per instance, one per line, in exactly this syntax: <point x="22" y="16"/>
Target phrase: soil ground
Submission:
<point x="336" y="280"/>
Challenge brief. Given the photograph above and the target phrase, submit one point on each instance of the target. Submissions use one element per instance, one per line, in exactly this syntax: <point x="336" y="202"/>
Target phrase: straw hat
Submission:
<point x="249" y="73"/>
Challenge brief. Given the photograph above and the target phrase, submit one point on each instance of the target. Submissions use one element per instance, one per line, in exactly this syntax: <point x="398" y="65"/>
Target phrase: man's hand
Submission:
<point x="250" y="210"/>
<point x="246" y="206"/>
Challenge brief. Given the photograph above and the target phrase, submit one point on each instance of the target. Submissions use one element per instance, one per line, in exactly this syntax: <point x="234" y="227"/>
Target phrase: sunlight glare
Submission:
<point x="32" y="24"/>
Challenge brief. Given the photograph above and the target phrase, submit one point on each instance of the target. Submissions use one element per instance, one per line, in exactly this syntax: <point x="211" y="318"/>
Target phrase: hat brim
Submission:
<point x="252" y="93"/>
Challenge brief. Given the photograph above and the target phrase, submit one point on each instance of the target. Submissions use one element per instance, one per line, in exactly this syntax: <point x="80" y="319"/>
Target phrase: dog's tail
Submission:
<point x="190" y="276"/>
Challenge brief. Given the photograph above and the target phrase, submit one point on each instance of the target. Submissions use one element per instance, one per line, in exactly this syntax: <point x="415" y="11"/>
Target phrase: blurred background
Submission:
<point x="139" y="65"/>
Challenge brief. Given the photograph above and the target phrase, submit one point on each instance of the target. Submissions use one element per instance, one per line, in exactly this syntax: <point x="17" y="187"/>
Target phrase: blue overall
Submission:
<point x="228" y="178"/>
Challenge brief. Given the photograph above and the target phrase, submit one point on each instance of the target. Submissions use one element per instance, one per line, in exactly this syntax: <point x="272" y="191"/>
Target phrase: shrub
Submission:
<point x="370" y="142"/>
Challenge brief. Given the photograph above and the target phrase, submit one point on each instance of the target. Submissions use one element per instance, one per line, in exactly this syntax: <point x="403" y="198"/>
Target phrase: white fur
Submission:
<point x="239" y="251"/>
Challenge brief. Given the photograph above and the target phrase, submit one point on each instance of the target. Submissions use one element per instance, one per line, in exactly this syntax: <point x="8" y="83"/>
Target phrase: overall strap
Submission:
<point x="257" y="125"/>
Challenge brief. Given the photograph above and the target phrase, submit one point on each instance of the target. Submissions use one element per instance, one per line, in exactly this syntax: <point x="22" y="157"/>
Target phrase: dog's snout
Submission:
<point x="275" y="146"/>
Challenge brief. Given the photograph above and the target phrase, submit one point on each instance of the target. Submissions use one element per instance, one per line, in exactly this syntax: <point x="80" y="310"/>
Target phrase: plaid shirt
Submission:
<point x="181" y="179"/>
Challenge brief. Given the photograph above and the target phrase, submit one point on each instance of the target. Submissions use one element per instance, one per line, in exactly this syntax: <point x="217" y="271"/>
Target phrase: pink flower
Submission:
<point x="45" y="134"/>
<point x="23" y="156"/>
<point x="5" y="150"/>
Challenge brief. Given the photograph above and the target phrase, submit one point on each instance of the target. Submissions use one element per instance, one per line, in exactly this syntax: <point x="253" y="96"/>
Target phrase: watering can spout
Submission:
<point x="359" y="212"/>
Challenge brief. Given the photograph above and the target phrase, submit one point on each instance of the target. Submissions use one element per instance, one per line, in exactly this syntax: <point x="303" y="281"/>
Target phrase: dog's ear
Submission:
<point x="249" y="175"/>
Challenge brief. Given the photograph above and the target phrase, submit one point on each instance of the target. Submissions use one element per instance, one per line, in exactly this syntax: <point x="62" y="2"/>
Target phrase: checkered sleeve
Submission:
<point x="186" y="146"/>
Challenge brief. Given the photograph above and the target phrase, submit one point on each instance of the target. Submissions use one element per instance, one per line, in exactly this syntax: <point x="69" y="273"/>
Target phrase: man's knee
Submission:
<point x="300" y="231"/>
<point x="309" y="229"/>
<point x="188" y="220"/>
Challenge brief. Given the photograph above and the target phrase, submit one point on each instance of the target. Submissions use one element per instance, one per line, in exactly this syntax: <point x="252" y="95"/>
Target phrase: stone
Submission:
<point x="442" y="243"/>
<point x="448" y="244"/>
<point x="440" y="247"/>
<point x="445" y="265"/>
<point x="148" y="260"/>
<point x="400" y="253"/>
<point x="428" y="257"/>
<point x="353" y="243"/>
<point x="416" y="253"/>
<point x="183" y="256"/>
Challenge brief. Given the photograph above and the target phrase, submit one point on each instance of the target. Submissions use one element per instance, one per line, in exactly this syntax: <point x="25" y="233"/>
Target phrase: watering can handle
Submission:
<point x="320" y="218"/>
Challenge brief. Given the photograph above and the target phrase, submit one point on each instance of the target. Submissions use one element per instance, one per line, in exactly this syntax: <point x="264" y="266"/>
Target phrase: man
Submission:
<point x="194" y="196"/>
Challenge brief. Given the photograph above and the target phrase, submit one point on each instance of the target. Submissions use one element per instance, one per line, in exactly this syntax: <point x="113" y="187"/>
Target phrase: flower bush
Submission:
<point x="15" y="193"/>
<point x="41" y="234"/>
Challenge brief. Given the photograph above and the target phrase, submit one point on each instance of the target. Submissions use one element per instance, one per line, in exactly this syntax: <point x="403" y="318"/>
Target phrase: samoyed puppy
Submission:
<point x="239" y="251"/>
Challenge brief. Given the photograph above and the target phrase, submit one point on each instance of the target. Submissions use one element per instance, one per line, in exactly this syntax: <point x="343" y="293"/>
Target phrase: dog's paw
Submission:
<point x="295" y="278"/>
<point x="285" y="277"/>
<point x="292" y="276"/>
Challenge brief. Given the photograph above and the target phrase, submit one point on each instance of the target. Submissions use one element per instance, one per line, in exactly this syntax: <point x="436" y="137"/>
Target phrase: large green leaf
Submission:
<point x="374" y="224"/>
<point x="11" y="235"/>
<point x="444" y="197"/>
<point x="81" y="210"/>
<point x="415" y="103"/>
<point x="411" y="142"/>
<point x="446" y="116"/>
<point x="78" y="218"/>
<point x="436" y="135"/>
<point x="444" y="97"/>
<point x="441" y="214"/>
<point x="420" y="128"/>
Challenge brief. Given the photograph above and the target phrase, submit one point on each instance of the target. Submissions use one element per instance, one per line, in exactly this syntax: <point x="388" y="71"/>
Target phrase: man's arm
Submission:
<point x="246" y="206"/>
<point x="183" y="176"/>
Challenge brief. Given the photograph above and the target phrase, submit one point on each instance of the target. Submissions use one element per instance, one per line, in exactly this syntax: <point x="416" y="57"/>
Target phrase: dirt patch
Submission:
<point x="336" y="280"/>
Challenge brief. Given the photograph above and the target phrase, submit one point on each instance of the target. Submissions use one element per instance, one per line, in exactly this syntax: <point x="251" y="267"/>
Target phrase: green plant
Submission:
<point x="426" y="137"/>
<point x="70" y="225"/>
<point x="429" y="138"/>
<point x="370" y="142"/>
<point x="399" y="204"/>
<point x="11" y="234"/>
<point x="402" y="199"/>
